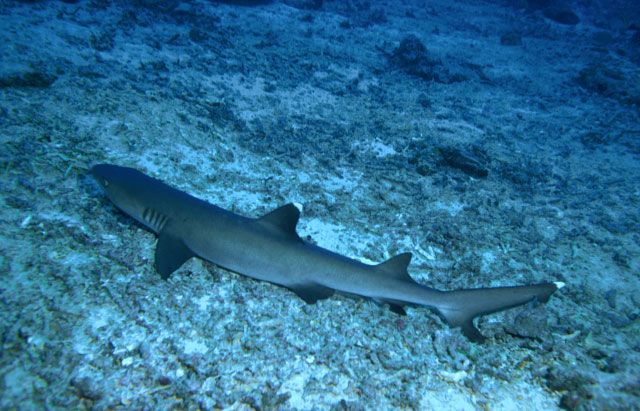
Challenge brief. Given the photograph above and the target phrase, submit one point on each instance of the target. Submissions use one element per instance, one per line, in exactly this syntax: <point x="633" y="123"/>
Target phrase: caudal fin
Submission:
<point x="459" y="308"/>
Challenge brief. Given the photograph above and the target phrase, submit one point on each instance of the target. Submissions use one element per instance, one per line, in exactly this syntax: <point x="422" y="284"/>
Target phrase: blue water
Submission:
<point x="498" y="141"/>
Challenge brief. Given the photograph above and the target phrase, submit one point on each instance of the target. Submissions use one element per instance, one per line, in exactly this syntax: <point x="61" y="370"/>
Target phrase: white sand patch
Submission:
<point x="375" y="147"/>
<point x="347" y="179"/>
<point x="452" y="208"/>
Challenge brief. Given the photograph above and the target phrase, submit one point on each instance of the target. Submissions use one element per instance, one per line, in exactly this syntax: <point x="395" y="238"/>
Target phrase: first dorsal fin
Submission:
<point x="283" y="219"/>
<point x="396" y="266"/>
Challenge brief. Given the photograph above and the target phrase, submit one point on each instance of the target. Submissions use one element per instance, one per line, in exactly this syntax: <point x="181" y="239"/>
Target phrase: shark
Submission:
<point x="268" y="248"/>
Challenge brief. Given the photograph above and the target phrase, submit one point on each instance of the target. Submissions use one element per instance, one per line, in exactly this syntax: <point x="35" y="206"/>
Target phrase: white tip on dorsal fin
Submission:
<point x="559" y="284"/>
<point x="283" y="219"/>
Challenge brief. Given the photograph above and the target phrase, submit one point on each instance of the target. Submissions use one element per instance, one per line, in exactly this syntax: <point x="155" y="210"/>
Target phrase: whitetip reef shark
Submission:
<point x="269" y="249"/>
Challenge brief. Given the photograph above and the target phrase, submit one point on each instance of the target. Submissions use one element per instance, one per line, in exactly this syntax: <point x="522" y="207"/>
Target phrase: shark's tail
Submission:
<point x="459" y="308"/>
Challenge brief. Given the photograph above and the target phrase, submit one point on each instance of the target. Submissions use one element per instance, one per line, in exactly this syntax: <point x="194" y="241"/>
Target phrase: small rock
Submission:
<point x="27" y="79"/>
<point x="464" y="162"/>
<point x="87" y="388"/>
<point x="511" y="39"/>
<point x="562" y="16"/>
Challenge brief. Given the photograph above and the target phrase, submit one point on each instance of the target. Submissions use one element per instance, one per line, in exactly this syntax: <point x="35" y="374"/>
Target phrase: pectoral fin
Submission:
<point x="171" y="253"/>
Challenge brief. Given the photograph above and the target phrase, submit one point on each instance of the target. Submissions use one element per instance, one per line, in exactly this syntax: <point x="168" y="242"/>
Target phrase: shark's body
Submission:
<point x="269" y="249"/>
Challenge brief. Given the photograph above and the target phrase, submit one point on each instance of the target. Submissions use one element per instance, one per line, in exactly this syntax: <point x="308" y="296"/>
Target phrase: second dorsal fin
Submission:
<point x="283" y="219"/>
<point x="396" y="266"/>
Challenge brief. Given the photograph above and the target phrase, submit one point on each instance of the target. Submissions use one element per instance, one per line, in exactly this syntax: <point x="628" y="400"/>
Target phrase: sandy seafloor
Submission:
<point x="253" y="107"/>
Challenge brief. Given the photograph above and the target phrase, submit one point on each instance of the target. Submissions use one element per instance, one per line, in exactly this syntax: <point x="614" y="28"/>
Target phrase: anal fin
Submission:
<point x="394" y="306"/>
<point x="471" y="332"/>
<point x="171" y="253"/>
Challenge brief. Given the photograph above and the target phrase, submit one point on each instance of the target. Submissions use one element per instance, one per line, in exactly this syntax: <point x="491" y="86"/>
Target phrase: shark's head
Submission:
<point x="123" y="186"/>
<point x="112" y="179"/>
